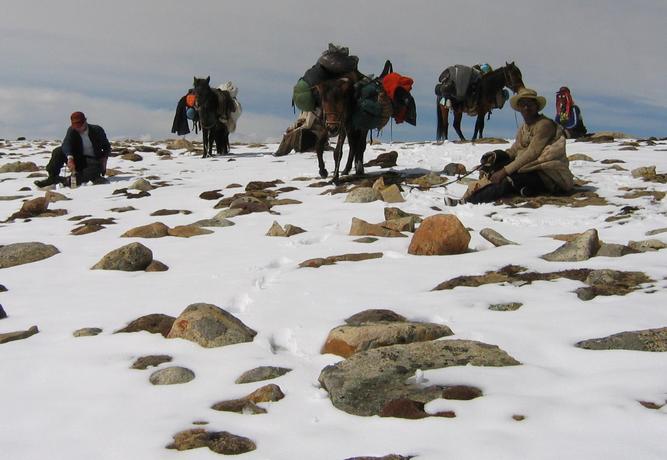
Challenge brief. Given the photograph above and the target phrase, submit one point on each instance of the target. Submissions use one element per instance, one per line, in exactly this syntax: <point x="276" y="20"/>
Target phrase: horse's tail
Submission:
<point x="441" y="133"/>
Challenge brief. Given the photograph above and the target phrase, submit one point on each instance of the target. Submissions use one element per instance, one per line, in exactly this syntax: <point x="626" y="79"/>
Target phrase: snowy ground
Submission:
<point x="63" y="397"/>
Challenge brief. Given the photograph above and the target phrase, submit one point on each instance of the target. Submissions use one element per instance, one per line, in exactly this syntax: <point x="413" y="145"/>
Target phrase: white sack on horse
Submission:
<point x="234" y="116"/>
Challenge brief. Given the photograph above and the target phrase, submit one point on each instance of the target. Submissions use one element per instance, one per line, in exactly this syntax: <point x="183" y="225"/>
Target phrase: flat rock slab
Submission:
<point x="262" y="373"/>
<point x="654" y="340"/>
<point x="18" y="335"/>
<point x="24" y="253"/>
<point x="221" y="442"/>
<point x="350" y="339"/>
<point x="366" y="381"/>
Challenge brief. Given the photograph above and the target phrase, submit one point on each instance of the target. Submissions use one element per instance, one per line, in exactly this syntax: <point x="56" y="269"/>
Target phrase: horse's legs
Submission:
<point x="479" y="125"/>
<point x="442" y="114"/>
<point x="458" y="115"/>
<point x="205" y="141"/>
<point x="338" y="154"/>
<point x="319" y="148"/>
<point x="358" y="143"/>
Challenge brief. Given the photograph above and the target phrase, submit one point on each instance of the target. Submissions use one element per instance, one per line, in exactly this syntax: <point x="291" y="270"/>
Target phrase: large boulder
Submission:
<point x="441" y="234"/>
<point x="25" y="253"/>
<point x="363" y="383"/>
<point x="130" y="258"/>
<point x="210" y="326"/>
<point x="350" y="339"/>
<point x="154" y="230"/>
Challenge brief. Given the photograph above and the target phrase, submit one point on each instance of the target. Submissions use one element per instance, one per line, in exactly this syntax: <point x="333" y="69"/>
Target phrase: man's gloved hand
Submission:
<point x="488" y="158"/>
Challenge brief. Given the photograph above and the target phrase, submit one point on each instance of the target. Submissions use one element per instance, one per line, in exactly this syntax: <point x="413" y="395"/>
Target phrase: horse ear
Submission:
<point x="208" y="79"/>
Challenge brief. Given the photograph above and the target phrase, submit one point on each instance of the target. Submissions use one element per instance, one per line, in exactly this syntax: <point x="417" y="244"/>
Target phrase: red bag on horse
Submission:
<point x="392" y="82"/>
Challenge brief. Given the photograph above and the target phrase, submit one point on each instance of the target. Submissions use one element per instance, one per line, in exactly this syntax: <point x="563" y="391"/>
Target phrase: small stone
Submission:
<point x="171" y="376"/>
<point x="144" y="362"/>
<point x="262" y="373"/>
<point x="87" y="331"/>
<point x="494" y="237"/>
<point x="512" y="306"/>
<point x="365" y="239"/>
<point x="156" y="266"/>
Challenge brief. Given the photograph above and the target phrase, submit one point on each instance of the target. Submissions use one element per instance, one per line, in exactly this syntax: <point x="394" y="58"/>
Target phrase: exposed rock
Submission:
<point x="221" y="442"/>
<point x="35" y="207"/>
<point x="144" y="362"/>
<point x="227" y="213"/>
<point x="361" y="228"/>
<point x="211" y="195"/>
<point x="614" y="250"/>
<point x="18" y="335"/>
<point x="579" y="157"/>
<point x="579" y="198"/>
<point x="85" y="229"/>
<point x="283" y="202"/>
<point x="25" y="253"/>
<point x="511" y="306"/>
<point x="441" y="234"/>
<point x="647" y="245"/>
<point x="391" y="213"/>
<point x="267" y="393"/>
<point x="87" y="332"/>
<point x="366" y="381"/>
<point x="154" y="230"/>
<point x="172" y="376"/>
<point x="19" y="166"/>
<point x="392" y="194"/>
<point x="656" y="231"/>
<point x="156" y="266"/>
<point x="210" y="326"/>
<point x="141" y="184"/>
<point x="155" y="323"/>
<point x="645" y="340"/>
<point x="403" y="224"/>
<point x="261" y="185"/>
<point x="123" y="209"/>
<point x="262" y="373"/>
<point x="403" y="408"/>
<point x="494" y="237"/>
<point x="454" y="169"/>
<point x="647" y="172"/>
<point x="131" y="157"/>
<point x="241" y="406"/>
<point x="461" y="392"/>
<point x="3" y="314"/>
<point x="289" y="230"/>
<point x="384" y="160"/>
<point x="386" y="457"/>
<point x="350" y="339"/>
<point x="214" y="222"/>
<point x="581" y="248"/>
<point x="365" y="239"/>
<point x="374" y="315"/>
<point x="170" y="212"/>
<point x="187" y="231"/>
<point x="428" y="180"/>
<point x="363" y="195"/>
<point x="53" y="197"/>
<point x="179" y="144"/>
<point x="131" y="257"/>
<point x="249" y="204"/>
<point x="318" y="262"/>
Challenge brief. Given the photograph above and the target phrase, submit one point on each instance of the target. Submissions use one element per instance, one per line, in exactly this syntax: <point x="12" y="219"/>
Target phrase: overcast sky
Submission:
<point x="126" y="63"/>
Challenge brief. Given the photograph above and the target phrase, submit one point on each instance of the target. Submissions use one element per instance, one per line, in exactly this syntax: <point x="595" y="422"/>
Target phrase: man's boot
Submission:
<point x="48" y="181"/>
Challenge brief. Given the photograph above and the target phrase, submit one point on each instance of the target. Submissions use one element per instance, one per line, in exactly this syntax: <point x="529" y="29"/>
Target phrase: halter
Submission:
<point x="509" y="81"/>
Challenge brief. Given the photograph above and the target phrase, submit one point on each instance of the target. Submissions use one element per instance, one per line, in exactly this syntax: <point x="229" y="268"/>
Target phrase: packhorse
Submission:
<point x="488" y="94"/>
<point x="351" y="105"/>
<point x="214" y="106"/>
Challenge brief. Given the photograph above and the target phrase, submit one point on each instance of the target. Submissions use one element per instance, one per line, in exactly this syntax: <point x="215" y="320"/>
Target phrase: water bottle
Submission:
<point x="73" y="183"/>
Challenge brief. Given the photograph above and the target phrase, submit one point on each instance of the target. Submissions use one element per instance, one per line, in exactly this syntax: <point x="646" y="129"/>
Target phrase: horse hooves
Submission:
<point x="323" y="173"/>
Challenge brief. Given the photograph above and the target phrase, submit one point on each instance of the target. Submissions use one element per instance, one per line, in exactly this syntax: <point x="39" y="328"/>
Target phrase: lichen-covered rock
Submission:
<point x="654" y="340"/>
<point x="172" y="376"/>
<point x="363" y="383"/>
<point x="221" y="442"/>
<point x="210" y="326"/>
<point x="363" y="195"/>
<point x="25" y="253"/>
<point x="188" y="231"/>
<point x="131" y="257"/>
<point x="262" y="373"/>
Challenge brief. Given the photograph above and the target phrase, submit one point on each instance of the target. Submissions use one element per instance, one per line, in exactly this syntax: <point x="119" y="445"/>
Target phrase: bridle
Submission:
<point x="510" y="80"/>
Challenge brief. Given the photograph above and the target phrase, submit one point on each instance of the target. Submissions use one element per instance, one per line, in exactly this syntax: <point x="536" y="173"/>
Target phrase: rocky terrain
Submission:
<point x="243" y="305"/>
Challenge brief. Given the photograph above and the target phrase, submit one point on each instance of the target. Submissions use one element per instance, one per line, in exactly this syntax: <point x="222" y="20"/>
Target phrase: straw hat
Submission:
<point x="527" y="93"/>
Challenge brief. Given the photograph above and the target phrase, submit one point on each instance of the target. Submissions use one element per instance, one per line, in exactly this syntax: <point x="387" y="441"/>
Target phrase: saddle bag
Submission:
<point x="302" y="97"/>
<point x="373" y="108"/>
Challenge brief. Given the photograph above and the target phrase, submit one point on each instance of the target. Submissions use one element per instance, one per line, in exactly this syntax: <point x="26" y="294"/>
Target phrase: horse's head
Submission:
<point x="513" y="77"/>
<point x="335" y="98"/>
<point x="201" y="85"/>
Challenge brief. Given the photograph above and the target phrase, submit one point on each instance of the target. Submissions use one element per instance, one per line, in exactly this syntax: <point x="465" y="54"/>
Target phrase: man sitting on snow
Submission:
<point x="536" y="163"/>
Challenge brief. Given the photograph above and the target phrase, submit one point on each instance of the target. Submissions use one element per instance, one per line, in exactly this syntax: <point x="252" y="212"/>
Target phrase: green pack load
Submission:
<point x="303" y="96"/>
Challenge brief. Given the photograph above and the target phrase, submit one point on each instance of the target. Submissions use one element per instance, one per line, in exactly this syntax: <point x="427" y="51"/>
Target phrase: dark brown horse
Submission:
<point x="337" y="102"/>
<point x="484" y="101"/>
<point x="214" y="106"/>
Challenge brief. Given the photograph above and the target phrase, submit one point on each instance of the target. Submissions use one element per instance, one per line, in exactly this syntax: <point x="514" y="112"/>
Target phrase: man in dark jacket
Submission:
<point x="85" y="150"/>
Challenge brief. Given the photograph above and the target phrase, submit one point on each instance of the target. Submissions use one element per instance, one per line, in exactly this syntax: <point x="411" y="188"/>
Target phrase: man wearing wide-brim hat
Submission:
<point x="535" y="164"/>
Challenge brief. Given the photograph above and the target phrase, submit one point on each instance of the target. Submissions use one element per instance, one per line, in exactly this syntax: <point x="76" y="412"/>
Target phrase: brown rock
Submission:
<point x="18" y="335"/>
<point x="35" y="207"/>
<point x="267" y="393"/>
<point x="144" y="362"/>
<point x="154" y="230"/>
<point x="392" y="194"/>
<point x="461" y="392"/>
<point x="240" y="406"/>
<point x="441" y="234"/>
<point x="404" y="408"/>
<point x="362" y="228"/>
<point x="374" y="315"/>
<point x="156" y="266"/>
<point x="85" y="229"/>
<point x="318" y="262"/>
<point x="155" y="323"/>
<point x="187" y="231"/>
